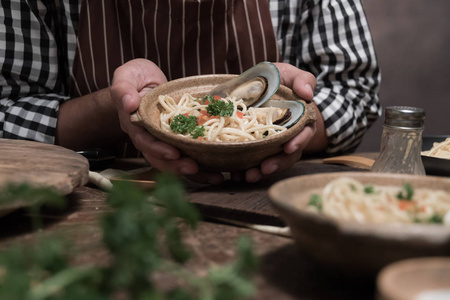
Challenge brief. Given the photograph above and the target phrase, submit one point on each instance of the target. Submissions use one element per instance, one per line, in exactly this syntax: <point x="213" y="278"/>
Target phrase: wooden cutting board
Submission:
<point x="42" y="165"/>
<point x="249" y="202"/>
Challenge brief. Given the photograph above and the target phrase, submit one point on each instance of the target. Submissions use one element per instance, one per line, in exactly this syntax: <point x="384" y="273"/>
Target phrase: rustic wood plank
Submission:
<point x="42" y="164"/>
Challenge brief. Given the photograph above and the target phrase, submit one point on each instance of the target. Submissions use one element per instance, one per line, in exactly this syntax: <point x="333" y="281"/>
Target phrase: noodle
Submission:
<point x="244" y="124"/>
<point x="348" y="199"/>
<point x="440" y="150"/>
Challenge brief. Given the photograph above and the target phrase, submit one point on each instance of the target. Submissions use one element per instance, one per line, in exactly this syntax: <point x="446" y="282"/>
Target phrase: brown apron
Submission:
<point x="183" y="37"/>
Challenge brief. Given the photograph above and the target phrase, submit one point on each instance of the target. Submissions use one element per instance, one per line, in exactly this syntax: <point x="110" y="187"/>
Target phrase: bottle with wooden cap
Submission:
<point x="401" y="141"/>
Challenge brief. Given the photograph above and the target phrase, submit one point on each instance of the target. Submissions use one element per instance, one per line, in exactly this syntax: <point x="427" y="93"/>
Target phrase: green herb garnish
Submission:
<point x="369" y="189"/>
<point x="143" y="235"/>
<point x="183" y="124"/>
<point x="220" y="108"/>
<point x="187" y="125"/>
<point x="209" y="98"/>
<point x="406" y="193"/>
<point x="436" y="219"/>
<point x="198" y="132"/>
<point x="316" y="201"/>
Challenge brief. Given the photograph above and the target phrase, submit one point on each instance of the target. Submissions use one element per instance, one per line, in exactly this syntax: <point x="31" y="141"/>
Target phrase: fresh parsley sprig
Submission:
<point x="220" y="108"/>
<point x="140" y="232"/>
<point x="183" y="124"/>
<point x="187" y="125"/>
<point x="406" y="193"/>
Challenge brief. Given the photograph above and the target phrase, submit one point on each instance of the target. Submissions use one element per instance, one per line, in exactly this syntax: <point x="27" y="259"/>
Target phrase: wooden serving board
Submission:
<point x="249" y="203"/>
<point x="42" y="165"/>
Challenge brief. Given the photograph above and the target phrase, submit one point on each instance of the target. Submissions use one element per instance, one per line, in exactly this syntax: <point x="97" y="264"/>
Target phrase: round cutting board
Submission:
<point x="41" y="165"/>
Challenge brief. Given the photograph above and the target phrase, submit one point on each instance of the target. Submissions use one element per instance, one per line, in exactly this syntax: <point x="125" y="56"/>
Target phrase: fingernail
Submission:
<point x="255" y="178"/>
<point x="272" y="168"/>
<point x="309" y="87"/>
<point x="126" y="103"/>
<point x="186" y="171"/>
<point x="292" y="150"/>
<point x="126" y="98"/>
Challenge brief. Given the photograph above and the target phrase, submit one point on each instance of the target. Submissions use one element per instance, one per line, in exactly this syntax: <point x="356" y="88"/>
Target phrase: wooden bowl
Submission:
<point x="420" y="278"/>
<point x="351" y="247"/>
<point x="217" y="156"/>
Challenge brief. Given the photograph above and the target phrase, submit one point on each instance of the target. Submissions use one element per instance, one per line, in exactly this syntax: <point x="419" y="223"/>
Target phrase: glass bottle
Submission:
<point x="401" y="141"/>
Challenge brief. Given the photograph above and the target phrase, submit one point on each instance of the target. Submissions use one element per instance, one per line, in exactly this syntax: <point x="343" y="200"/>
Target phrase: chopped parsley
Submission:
<point x="187" y="125"/>
<point x="209" y="98"/>
<point x="220" y="108"/>
<point x="436" y="219"/>
<point x="406" y="193"/>
<point x="198" y="132"/>
<point x="316" y="201"/>
<point x="183" y="124"/>
<point x="369" y="189"/>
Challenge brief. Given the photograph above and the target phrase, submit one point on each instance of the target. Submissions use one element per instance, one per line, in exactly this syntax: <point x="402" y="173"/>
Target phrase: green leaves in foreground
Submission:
<point x="143" y="236"/>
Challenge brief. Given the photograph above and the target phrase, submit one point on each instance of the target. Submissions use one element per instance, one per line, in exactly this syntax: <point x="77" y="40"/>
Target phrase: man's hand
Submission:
<point x="311" y="138"/>
<point x="131" y="82"/>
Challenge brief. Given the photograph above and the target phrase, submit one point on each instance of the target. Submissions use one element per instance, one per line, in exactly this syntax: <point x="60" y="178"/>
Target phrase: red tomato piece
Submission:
<point x="404" y="205"/>
<point x="204" y="116"/>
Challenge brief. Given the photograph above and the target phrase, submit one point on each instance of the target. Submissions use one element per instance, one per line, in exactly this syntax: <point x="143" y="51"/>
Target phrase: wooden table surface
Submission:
<point x="285" y="273"/>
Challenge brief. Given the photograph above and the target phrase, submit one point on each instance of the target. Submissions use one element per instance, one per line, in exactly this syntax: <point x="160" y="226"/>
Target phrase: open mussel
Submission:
<point x="255" y="86"/>
<point x="288" y="113"/>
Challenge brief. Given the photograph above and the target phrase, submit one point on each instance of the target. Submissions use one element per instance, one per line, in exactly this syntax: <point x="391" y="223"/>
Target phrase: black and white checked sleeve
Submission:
<point x="332" y="40"/>
<point x="33" y="63"/>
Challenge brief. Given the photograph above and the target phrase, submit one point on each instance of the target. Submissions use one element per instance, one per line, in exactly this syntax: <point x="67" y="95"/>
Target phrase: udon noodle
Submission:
<point x="348" y="199"/>
<point x="244" y="124"/>
<point x="440" y="150"/>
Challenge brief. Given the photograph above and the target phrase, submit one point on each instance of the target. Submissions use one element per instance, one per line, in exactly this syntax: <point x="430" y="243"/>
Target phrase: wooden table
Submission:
<point x="284" y="273"/>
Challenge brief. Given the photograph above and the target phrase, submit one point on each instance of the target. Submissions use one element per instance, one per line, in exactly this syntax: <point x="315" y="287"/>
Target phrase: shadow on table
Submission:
<point x="20" y="221"/>
<point x="299" y="276"/>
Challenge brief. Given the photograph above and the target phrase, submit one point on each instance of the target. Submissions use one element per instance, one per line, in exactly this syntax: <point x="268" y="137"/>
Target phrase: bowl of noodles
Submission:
<point x="359" y="222"/>
<point x="436" y="154"/>
<point x="166" y="112"/>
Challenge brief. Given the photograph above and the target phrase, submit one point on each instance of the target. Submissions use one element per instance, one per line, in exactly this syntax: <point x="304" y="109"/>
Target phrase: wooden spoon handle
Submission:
<point x="351" y="161"/>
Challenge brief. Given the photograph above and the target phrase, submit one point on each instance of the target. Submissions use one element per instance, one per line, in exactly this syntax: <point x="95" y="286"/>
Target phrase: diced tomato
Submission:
<point x="186" y="114"/>
<point x="200" y="138"/>
<point x="204" y="116"/>
<point x="206" y="102"/>
<point x="404" y="205"/>
<point x="216" y="97"/>
<point x="240" y="114"/>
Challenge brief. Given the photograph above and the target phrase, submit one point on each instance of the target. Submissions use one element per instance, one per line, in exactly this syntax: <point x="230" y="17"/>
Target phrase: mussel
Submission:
<point x="255" y="86"/>
<point x="288" y="112"/>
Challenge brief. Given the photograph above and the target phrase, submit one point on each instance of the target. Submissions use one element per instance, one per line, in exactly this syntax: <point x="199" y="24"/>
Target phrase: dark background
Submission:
<point x="412" y="41"/>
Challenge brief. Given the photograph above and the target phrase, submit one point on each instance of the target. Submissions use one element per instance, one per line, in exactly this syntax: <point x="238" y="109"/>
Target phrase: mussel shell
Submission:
<point x="295" y="108"/>
<point x="284" y="118"/>
<point x="266" y="70"/>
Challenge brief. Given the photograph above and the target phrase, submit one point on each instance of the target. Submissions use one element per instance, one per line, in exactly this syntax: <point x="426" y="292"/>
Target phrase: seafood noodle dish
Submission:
<point x="347" y="199"/>
<point x="221" y="119"/>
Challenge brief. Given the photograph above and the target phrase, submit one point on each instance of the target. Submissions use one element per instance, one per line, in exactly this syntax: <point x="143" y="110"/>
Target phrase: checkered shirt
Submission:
<point x="330" y="39"/>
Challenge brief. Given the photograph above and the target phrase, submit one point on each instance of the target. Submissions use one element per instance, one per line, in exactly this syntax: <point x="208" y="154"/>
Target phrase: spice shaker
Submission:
<point x="401" y="141"/>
